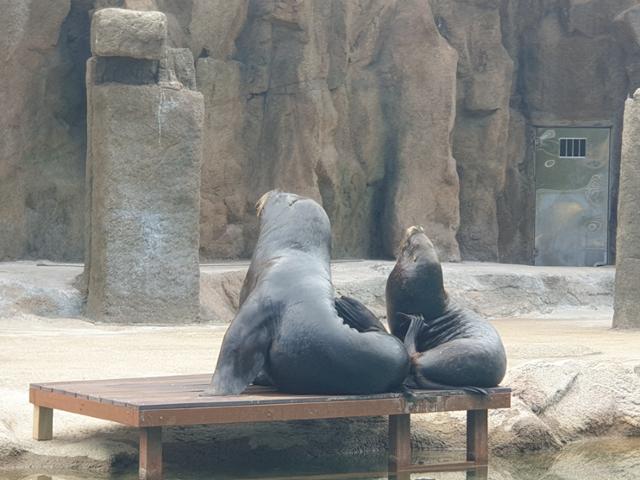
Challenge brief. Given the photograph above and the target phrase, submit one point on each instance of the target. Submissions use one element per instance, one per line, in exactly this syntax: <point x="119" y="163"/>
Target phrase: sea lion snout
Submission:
<point x="262" y="202"/>
<point x="273" y="195"/>
<point x="416" y="240"/>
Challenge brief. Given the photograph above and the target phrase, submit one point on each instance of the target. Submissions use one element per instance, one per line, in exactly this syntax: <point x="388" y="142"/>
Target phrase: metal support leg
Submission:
<point x="477" y="437"/>
<point x="399" y="442"/>
<point x="150" y="453"/>
<point x="42" y="423"/>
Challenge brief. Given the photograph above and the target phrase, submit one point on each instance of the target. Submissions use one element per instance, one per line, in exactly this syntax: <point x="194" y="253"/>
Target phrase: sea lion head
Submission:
<point x="297" y="221"/>
<point x="418" y="276"/>
<point x="416" y="247"/>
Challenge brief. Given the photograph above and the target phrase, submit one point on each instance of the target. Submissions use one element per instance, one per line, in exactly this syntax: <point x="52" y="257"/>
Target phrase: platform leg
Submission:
<point x="479" y="473"/>
<point x="399" y="442"/>
<point x="478" y="437"/>
<point x="42" y="423"/>
<point x="150" y="453"/>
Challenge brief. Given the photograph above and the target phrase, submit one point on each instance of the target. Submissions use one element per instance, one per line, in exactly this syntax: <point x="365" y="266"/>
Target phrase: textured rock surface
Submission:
<point x="484" y="77"/>
<point x="117" y="32"/>
<point x="627" y="305"/>
<point x="388" y="112"/>
<point x="146" y="147"/>
<point x="492" y="290"/>
<point x="42" y="125"/>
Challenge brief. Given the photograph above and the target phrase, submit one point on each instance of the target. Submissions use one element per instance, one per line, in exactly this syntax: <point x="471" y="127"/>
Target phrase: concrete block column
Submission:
<point x="626" y="304"/>
<point x="143" y="173"/>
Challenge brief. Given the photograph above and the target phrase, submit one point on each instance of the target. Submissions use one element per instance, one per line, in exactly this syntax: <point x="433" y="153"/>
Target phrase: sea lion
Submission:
<point x="449" y="346"/>
<point x="288" y="323"/>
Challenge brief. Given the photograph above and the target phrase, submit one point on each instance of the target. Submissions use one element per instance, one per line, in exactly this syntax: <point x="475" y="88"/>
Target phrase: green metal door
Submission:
<point x="572" y="196"/>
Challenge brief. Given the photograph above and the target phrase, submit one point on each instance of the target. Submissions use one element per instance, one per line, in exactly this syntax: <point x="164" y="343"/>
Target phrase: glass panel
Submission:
<point x="572" y="196"/>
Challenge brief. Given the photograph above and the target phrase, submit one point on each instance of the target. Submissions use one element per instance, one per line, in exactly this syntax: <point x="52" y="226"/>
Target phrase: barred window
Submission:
<point x="573" y="147"/>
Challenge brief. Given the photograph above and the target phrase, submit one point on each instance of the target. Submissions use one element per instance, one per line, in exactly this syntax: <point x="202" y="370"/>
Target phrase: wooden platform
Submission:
<point x="152" y="403"/>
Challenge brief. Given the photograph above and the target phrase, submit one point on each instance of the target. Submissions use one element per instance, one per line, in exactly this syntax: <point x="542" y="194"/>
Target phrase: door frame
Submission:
<point x="611" y="227"/>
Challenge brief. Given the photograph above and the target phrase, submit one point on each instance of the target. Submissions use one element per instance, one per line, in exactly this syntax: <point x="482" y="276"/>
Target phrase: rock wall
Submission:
<point x="326" y="99"/>
<point x="43" y="46"/>
<point x="484" y="76"/>
<point x="389" y="112"/>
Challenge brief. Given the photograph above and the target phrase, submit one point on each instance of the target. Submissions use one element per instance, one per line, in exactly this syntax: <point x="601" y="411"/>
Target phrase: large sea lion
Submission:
<point x="449" y="346"/>
<point x="289" y="325"/>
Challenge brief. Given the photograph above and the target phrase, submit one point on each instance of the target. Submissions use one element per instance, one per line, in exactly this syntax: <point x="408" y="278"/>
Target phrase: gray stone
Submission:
<point x="627" y="302"/>
<point x="145" y="179"/>
<point x="629" y="24"/>
<point x="178" y="68"/>
<point x="580" y="398"/>
<point x="492" y="290"/>
<point x="116" y="32"/>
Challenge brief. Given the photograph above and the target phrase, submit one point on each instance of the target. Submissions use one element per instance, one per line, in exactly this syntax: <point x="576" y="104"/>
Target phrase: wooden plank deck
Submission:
<point x="155" y="402"/>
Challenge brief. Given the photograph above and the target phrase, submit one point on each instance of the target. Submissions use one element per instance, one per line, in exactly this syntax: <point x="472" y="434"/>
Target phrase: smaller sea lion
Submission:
<point x="449" y="346"/>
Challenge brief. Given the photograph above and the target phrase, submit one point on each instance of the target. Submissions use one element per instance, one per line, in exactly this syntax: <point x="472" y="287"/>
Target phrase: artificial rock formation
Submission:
<point x="389" y="112"/>
<point x="627" y="305"/>
<point x="42" y="125"/>
<point x="145" y="134"/>
<point x="484" y="76"/>
<point x="326" y="99"/>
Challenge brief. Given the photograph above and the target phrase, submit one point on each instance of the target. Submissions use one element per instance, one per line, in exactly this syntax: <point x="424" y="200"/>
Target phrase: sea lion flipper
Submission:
<point x="244" y="349"/>
<point x="357" y="315"/>
<point x="411" y="338"/>
<point x="263" y="379"/>
<point x="419" y="381"/>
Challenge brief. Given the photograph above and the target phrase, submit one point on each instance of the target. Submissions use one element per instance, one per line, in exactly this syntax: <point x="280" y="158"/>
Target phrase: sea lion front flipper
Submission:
<point x="263" y="379"/>
<point x="244" y="349"/>
<point x="411" y="338"/>
<point x="357" y="316"/>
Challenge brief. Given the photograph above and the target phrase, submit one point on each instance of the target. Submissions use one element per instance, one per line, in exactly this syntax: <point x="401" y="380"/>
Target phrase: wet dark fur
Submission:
<point x="449" y="346"/>
<point x="290" y="327"/>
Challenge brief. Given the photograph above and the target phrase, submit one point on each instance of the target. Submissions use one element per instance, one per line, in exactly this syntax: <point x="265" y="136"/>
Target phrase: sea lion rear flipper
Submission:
<point x="244" y="349"/>
<point x="357" y="316"/>
<point x="419" y="381"/>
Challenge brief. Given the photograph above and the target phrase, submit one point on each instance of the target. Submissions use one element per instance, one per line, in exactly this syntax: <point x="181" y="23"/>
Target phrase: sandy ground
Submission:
<point x="33" y="349"/>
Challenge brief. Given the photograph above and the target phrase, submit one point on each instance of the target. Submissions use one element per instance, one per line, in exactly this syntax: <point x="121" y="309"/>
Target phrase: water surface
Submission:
<point x="606" y="459"/>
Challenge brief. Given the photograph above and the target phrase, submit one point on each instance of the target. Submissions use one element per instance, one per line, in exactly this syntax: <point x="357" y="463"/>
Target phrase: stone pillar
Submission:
<point x="143" y="167"/>
<point x="627" y="300"/>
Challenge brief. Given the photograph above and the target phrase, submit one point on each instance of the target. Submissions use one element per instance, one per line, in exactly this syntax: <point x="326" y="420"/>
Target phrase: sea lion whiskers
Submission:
<point x="262" y="201"/>
<point x="410" y="232"/>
